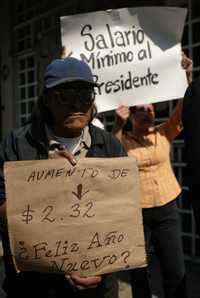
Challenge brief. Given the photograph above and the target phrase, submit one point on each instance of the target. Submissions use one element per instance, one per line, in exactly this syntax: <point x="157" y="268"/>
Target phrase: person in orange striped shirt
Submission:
<point x="150" y="145"/>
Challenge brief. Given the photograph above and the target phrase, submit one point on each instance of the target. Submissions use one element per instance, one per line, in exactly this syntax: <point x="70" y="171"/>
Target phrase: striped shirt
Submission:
<point x="158" y="184"/>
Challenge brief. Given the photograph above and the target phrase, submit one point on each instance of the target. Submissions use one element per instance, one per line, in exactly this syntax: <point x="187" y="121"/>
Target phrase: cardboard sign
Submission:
<point x="84" y="219"/>
<point x="134" y="53"/>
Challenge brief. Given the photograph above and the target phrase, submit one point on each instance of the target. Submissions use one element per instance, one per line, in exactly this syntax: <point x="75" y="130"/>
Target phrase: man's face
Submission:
<point x="71" y="106"/>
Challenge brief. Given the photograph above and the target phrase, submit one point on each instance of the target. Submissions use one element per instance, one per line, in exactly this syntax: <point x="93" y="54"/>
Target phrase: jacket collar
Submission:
<point x="38" y="134"/>
<point x="96" y="135"/>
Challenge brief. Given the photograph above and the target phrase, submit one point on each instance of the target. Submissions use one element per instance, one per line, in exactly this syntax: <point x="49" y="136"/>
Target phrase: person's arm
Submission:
<point x="174" y="126"/>
<point x="187" y="65"/>
<point x="5" y="155"/>
<point x="3" y="218"/>
<point x="121" y="117"/>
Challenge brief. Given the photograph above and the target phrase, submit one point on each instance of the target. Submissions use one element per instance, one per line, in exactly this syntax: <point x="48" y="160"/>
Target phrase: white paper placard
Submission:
<point x="134" y="53"/>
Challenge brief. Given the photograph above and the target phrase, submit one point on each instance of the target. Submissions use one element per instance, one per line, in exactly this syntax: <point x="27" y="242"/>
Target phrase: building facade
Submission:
<point x="30" y="39"/>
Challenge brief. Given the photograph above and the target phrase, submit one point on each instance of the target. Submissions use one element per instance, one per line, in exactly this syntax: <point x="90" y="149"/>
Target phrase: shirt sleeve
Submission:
<point x="173" y="126"/>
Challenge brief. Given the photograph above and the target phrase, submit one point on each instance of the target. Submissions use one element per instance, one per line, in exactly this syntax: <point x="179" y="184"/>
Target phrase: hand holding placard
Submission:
<point x="66" y="219"/>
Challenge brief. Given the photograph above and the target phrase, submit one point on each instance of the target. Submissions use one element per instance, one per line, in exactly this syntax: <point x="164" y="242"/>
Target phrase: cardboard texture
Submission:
<point x="84" y="219"/>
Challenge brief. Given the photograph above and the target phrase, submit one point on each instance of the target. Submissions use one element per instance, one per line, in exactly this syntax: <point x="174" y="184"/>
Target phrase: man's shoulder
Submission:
<point x="191" y="103"/>
<point x="17" y="133"/>
<point x="21" y="131"/>
<point x="100" y="134"/>
<point x="197" y="80"/>
<point x="106" y="140"/>
<point x="194" y="87"/>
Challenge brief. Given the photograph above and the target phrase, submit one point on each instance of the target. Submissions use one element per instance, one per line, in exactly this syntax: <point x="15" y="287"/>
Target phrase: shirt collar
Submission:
<point x="85" y="142"/>
<point x="38" y="134"/>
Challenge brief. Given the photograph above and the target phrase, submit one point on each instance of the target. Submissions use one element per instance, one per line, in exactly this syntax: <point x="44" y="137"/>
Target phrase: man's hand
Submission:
<point x="83" y="283"/>
<point x="63" y="153"/>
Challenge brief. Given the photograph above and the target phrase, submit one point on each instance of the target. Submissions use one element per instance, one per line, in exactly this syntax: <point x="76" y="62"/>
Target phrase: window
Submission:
<point x="27" y="86"/>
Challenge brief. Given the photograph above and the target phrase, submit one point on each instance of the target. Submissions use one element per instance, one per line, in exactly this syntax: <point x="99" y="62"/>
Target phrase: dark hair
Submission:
<point x="127" y="126"/>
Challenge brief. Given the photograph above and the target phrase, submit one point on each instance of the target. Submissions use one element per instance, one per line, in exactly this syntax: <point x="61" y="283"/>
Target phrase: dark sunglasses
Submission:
<point x="68" y="96"/>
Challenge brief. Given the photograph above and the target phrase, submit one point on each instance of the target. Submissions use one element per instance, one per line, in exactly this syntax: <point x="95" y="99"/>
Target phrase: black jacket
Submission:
<point x="30" y="143"/>
<point x="191" y="123"/>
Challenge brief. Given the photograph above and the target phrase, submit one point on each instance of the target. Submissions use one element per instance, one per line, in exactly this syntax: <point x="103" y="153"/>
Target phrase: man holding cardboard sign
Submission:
<point x="60" y="128"/>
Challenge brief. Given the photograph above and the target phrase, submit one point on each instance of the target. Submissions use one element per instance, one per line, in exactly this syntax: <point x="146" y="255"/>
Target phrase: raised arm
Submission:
<point x="187" y="64"/>
<point x="174" y="125"/>
<point x="121" y="116"/>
